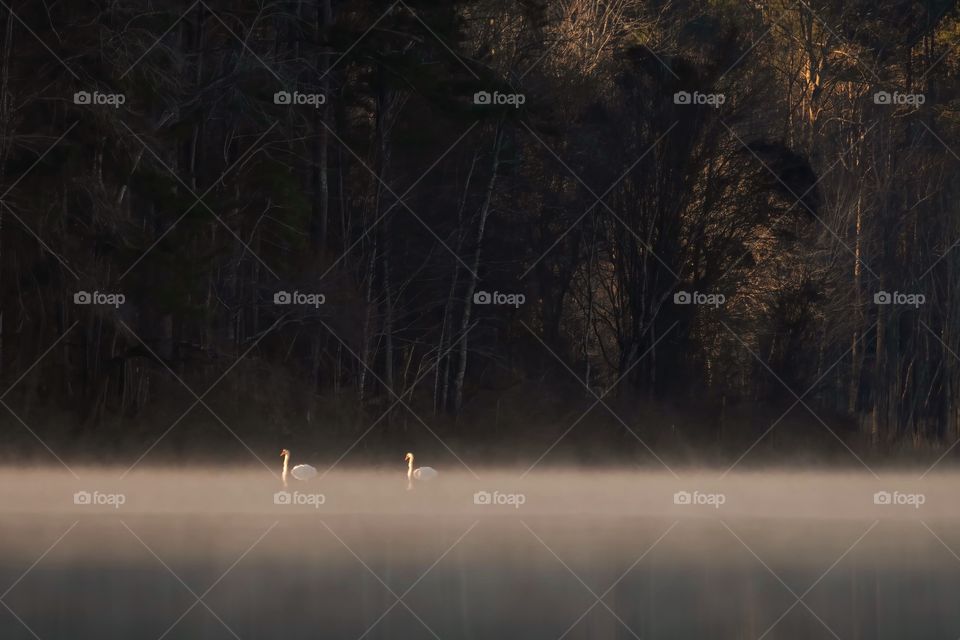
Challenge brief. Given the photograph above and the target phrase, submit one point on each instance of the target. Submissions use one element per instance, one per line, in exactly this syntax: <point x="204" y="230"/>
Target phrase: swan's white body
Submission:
<point x="420" y="473"/>
<point x="299" y="472"/>
<point x="424" y="473"/>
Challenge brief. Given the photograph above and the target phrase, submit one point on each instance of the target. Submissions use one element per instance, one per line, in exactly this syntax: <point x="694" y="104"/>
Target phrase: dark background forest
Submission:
<point x="172" y="174"/>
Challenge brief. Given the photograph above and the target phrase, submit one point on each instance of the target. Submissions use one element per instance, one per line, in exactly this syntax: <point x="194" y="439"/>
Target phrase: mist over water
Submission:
<point x="498" y="555"/>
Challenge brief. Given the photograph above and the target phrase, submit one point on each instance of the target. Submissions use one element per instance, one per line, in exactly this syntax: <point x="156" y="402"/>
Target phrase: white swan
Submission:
<point x="300" y="472"/>
<point x="420" y="473"/>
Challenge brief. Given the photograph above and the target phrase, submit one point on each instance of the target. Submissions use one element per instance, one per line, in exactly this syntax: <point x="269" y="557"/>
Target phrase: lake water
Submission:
<point x="185" y="554"/>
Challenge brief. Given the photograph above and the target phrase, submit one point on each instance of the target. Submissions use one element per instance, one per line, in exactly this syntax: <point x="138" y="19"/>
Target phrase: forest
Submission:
<point x="648" y="231"/>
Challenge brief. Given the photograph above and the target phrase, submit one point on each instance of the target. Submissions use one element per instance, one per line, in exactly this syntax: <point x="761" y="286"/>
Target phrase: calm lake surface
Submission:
<point x="182" y="554"/>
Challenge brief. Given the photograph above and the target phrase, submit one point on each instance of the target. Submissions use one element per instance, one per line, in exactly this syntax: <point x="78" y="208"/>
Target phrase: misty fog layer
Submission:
<point x="498" y="556"/>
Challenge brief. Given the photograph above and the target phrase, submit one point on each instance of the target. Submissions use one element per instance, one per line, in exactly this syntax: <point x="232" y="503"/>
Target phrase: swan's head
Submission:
<point x="284" y="452"/>
<point x="408" y="457"/>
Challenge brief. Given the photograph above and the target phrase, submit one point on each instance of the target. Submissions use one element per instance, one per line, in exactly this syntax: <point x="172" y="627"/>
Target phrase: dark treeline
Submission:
<point x="785" y="161"/>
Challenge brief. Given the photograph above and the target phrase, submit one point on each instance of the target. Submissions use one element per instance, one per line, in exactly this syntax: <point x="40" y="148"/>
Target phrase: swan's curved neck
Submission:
<point x="286" y="463"/>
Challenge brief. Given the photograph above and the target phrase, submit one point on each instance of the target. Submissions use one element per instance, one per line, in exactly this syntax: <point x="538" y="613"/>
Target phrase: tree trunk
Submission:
<point x="321" y="138"/>
<point x="472" y="277"/>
